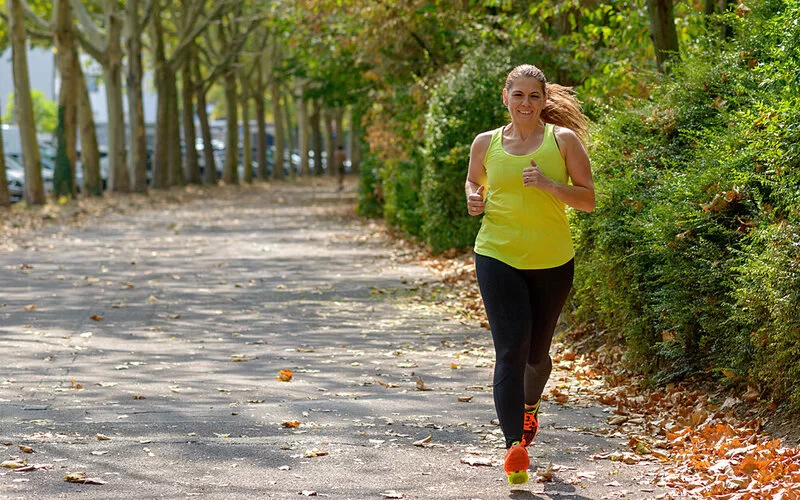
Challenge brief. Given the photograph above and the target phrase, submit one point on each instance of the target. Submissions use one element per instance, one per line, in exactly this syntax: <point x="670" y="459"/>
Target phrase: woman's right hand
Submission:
<point x="475" y="203"/>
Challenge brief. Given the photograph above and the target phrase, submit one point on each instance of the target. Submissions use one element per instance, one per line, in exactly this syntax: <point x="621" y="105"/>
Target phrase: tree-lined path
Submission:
<point x="145" y="351"/>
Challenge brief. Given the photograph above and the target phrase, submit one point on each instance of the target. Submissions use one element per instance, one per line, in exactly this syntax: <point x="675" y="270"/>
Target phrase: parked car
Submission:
<point x="15" y="173"/>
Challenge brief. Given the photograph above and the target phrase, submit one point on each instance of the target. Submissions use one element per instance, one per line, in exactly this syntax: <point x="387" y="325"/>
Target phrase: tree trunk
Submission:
<point x="247" y="136"/>
<point x="230" y="173"/>
<point x="118" y="177"/>
<point x="261" y="143"/>
<point x="286" y="116"/>
<point x="176" y="177"/>
<point x="23" y="105"/>
<point x="210" y="164"/>
<point x="662" y="30"/>
<point x="303" y="139"/>
<point x="316" y="135"/>
<point x="330" y="144"/>
<point x="160" y="174"/>
<point x="137" y="159"/>
<point x="280" y="146"/>
<point x="189" y="133"/>
<point x="5" y="198"/>
<point x="355" y="139"/>
<point x="90" y="154"/>
<point x="64" y="176"/>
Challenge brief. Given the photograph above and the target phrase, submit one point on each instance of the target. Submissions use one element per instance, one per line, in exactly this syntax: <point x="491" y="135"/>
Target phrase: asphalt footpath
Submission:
<point x="263" y="344"/>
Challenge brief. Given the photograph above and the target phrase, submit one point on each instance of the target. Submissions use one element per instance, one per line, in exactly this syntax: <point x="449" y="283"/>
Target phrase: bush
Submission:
<point x="370" y="193"/>
<point x="693" y="249"/>
<point x="467" y="101"/>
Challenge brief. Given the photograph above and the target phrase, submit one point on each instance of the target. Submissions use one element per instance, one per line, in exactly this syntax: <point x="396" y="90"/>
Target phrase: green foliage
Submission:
<point x="370" y="193"/>
<point x="693" y="249"/>
<point x="401" y="181"/>
<point x="467" y="101"/>
<point x="45" y="112"/>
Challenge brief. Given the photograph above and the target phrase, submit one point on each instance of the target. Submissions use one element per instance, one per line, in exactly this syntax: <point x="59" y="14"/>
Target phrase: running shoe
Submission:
<point x="530" y="426"/>
<point x="516" y="464"/>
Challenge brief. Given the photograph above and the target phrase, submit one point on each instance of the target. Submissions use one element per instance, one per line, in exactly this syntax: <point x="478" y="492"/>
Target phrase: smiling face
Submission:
<point x="525" y="99"/>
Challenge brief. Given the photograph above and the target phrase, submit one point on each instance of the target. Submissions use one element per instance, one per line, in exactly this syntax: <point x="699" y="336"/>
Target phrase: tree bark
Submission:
<point x="355" y="139"/>
<point x="662" y="31"/>
<point x="247" y="136"/>
<point x="316" y="135"/>
<point x="176" y="177"/>
<point x="64" y="176"/>
<point x="286" y="116"/>
<point x="230" y="173"/>
<point x="302" y="131"/>
<point x="137" y="159"/>
<point x="90" y="154"/>
<point x="261" y="144"/>
<point x="330" y="144"/>
<point x="118" y="177"/>
<point x="280" y="146"/>
<point x="5" y="198"/>
<point x="160" y="174"/>
<point x="189" y="133"/>
<point x="23" y="105"/>
<point x="210" y="168"/>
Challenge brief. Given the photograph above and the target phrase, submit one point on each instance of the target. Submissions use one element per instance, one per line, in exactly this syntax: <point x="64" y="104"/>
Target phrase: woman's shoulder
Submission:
<point x="565" y="136"/>
<point x="484" y="138"/>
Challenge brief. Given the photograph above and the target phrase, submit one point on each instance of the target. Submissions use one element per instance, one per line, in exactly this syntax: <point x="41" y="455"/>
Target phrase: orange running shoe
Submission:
<point x="516" y="464"/>
<point x="530" y="426"/>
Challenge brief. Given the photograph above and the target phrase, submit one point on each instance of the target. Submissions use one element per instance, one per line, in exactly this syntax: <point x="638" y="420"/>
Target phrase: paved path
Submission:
<point x="196" y="310"/>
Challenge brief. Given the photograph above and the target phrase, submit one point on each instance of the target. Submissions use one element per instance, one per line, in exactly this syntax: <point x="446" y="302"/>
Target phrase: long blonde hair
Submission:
<point x="562" y="107"/>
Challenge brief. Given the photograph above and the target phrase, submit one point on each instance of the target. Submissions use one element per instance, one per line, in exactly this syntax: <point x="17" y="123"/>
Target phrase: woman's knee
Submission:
<point x="541" y="367"/>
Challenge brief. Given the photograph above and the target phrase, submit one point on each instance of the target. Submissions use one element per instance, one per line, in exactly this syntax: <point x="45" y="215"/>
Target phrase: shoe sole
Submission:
<point x="516" y="465"/>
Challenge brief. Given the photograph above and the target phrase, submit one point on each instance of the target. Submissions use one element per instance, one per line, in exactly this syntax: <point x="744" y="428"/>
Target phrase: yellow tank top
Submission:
<point x="524" y="227"/>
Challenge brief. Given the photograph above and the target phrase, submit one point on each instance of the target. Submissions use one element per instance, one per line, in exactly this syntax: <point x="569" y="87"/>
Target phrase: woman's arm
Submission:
<point x="580" y="194"/>
<point x="476" y="175"/>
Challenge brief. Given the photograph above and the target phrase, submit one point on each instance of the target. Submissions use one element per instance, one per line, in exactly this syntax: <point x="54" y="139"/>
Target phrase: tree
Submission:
<point x="662" y="30"/>
<point x="137" y="159"/>
<point x="106" y="49"/>
<point x="34" y="187"/>
<point x="5" y="199"/>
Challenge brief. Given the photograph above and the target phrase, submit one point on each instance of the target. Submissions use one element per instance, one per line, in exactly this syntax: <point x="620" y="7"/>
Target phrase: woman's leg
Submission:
<point x="505" y="296"/>
<point x="548" y="289"/>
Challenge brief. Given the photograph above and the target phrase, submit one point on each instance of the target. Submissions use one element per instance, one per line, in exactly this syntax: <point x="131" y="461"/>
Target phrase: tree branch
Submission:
<point x="93" y="41"/>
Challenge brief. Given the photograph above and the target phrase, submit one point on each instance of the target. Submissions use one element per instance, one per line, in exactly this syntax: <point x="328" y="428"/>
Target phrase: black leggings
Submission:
<point x="523" y="306"/>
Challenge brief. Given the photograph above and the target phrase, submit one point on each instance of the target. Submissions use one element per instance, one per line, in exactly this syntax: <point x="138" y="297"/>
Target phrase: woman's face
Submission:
<point x="525" y="99"/>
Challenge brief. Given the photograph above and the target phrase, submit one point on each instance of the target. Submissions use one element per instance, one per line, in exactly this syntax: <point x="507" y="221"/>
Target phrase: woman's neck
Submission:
<point x="524" y="131"/>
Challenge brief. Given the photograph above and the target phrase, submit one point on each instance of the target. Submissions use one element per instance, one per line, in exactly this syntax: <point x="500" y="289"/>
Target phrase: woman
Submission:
<point x="522" y="175"/>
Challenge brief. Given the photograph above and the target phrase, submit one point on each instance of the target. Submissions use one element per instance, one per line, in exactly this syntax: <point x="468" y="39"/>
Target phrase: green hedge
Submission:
<point x="467" y="101"/>
<point x="693" y="249"/>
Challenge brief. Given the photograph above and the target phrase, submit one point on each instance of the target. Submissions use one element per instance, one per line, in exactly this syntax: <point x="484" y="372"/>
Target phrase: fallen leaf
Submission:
<point x="421" y="385"/>
<point x="284" y="375"/>
<point x="25" y="449"/>
<point x="30" y="307"/>
<point x="96" y="317"/>
<point x="103" y="437"/>
<point x="82" y="478"/>
<point x="239" y="358"/>
<point x="291" y="424"/>
<point x="392" y="494"/>
<point x="308" y="493"/>
<point x="315" y="453"/>
<point x="13" y="464"/>
<point x="423" y="442"/>
<point x="464" y="399"/>
<point x="477" y="461"/>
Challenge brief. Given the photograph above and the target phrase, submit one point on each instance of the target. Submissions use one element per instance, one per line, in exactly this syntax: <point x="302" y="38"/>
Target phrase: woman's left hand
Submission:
<point x="533" y="177"/>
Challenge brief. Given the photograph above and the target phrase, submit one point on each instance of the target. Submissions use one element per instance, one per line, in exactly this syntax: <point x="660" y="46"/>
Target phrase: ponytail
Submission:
<point x="564" y="109"/>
